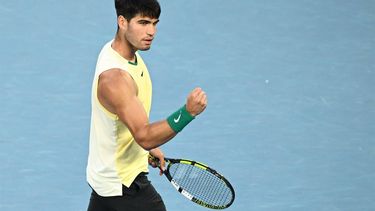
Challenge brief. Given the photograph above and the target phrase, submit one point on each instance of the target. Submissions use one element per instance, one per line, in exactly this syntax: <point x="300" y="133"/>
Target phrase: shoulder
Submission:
<point x="116" y="78"/>
<point x="113" y="75"/>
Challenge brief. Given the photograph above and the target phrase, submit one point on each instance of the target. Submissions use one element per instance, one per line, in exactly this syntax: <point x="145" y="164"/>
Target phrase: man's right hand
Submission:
<point x="196" y="102"/>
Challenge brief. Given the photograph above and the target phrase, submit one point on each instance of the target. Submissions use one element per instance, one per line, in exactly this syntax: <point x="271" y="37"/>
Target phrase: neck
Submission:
<point x="124" y="48"/>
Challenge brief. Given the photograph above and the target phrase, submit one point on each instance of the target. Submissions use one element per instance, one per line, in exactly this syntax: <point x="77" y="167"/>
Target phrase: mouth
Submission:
<point x="148" y="41"/>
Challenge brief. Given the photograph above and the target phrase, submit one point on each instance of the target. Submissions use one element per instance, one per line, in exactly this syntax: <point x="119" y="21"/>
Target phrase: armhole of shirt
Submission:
<point x="108" y="113"/>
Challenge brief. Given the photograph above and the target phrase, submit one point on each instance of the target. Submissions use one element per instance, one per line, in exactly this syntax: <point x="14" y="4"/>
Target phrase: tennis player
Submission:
<point x="121" y="136"/>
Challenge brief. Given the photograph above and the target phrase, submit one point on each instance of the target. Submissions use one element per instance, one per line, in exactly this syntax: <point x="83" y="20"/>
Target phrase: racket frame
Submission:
<point x="185" y="193"/>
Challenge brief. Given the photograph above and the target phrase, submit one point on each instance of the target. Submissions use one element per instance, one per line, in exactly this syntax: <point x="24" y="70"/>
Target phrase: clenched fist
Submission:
<point x="196" y="102"/>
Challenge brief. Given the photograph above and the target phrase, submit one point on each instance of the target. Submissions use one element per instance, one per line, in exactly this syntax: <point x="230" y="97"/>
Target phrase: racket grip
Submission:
<point x="151" y="157"/>
<point x="156" y="160"/>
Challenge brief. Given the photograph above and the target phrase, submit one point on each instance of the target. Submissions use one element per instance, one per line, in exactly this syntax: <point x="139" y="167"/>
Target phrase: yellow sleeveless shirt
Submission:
<point x="115" y="158"/>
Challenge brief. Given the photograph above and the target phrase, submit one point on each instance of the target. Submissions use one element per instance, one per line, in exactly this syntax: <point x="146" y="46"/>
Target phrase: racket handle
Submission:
<point x="156" y="160"/>
<point x="153" y="158"/>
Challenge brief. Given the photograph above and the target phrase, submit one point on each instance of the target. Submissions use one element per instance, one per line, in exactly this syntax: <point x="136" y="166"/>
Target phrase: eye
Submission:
<point x="143" y="22"/>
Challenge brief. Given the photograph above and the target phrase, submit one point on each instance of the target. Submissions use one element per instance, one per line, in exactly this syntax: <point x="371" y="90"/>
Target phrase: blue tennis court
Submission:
<point x="290" y="84"/>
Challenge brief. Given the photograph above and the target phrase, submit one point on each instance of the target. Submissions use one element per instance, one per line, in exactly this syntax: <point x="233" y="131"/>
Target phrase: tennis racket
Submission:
<point x="198" y="183"/>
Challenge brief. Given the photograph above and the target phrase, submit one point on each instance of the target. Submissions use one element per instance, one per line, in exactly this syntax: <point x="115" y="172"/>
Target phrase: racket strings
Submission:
<point x="201" y="184"/>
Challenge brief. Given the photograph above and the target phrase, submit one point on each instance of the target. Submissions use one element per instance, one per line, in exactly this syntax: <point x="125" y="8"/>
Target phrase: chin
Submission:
<point x="145" y="48"/>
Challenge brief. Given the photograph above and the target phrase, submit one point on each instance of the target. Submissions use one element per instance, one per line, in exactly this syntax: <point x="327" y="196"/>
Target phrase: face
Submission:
<point x="140" y="31"/>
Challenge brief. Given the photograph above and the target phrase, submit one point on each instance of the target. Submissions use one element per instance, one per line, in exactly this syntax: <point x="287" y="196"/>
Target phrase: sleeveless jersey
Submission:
<point x="115" y="158"/>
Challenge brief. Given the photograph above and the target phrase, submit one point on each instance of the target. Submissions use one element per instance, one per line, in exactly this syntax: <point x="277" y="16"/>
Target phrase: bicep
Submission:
<point x="118" y="92"/>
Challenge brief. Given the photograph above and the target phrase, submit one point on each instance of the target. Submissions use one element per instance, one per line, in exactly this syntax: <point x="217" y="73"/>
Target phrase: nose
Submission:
<point x="151" y="30"/>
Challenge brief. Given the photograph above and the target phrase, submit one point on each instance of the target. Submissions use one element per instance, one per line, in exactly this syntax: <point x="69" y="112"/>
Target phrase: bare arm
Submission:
<point x="117" y="92"/>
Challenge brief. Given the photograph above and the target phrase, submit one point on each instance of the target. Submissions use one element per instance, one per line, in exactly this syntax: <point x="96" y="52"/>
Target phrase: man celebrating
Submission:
<point x="121" y="136"/>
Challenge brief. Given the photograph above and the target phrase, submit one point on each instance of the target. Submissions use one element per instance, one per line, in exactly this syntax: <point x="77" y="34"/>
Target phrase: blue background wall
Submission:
<point x="291" y="114"/>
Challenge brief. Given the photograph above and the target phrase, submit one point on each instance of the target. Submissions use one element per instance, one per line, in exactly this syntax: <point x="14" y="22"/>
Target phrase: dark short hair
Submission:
<point x="130" y="8"/>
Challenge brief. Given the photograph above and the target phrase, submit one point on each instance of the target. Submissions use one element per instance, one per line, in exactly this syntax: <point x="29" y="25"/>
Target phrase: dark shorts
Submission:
<point x="140" y="196"/>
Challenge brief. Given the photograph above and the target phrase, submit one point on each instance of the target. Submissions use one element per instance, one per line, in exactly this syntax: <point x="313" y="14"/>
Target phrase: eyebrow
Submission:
<point x="148" y="21"/>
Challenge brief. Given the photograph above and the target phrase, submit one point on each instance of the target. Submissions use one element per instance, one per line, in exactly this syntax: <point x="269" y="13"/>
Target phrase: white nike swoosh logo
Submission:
<point x="178" y="118"/>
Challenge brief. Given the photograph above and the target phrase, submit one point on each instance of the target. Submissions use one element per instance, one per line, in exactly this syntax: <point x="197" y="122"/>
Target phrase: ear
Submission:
<point x="122" y="22"/>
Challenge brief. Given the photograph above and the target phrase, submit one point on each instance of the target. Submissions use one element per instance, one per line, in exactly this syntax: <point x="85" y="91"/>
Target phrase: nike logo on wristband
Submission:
<point x="178" y="118"/>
